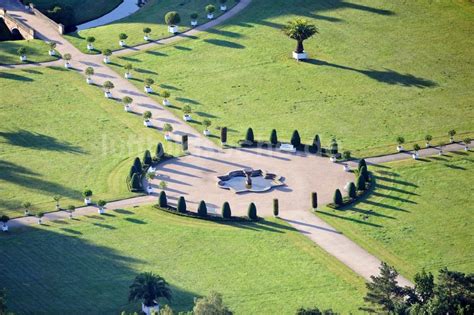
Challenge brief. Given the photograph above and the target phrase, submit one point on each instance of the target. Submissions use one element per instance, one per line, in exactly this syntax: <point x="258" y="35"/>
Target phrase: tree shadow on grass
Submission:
<point x="13" y="76"/>
<point x="348" y="219"/>
<point x="31" y="140"/>
<point x="224" y="43"/>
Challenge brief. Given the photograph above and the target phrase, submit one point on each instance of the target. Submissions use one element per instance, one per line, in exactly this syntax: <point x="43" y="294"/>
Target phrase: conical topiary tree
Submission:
<point x="252" y="212"/>
<point x="314" y="200"/>
<point x="160" y="152"/>
<point x="360" y="183"/>
<point x="361" y="163"/>
<point x="249" y="136"/>
<point x="202" y="209"/>
<point x="181" y="205"/>
<point x="276" y="207"/>
<point x="224" y="135"/>
<point x="363" y="172"/>
<point x="147" y="161"/>
<point x="338" y="198"/>
<point x="295" y="139"/>
<point x="162" y="200"/>
<point x="226" y="212"/>
<point x="316" y="146"/>
<point x="274" y="137"/>
<point x="138" y="164"/>
<point x="352" y="191"/>
<point x="135" y="183"/>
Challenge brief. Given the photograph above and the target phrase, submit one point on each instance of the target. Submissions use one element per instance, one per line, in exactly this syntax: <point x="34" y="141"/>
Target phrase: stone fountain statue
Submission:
<point x="248" y="179"/>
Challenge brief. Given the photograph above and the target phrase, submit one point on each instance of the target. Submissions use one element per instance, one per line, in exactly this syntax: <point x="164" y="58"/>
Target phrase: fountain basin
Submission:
<point x="236" y="181"/>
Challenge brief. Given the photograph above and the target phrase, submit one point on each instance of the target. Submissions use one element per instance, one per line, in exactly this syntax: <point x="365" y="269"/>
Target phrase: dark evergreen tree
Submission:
<point x="181" y="205"/>
<point x="224" y="135"/>
<point x="160" y="152"/>
<point x="360" y="183"/>
<point x="138" y="164"/>
<point x="314" y="200"/>
<point x="131" y="172"/>
<point x="316" y="146"/>
<point x="136" y="183"/>
<point x="352" y="190"/>
<point x="163" y="200"/>
<point x="226" y="212"/>
<point x="363" y="172"/>
<point x="147" y="161"/>
<point x="276" y="207"/>
<point x="249" y="137"/>
<point x="295" y="139"/>
<point x="202" y="209"/>
<point x="334" y="147"/>
<point x="454" y="293"/>
<point x="338" y="198"/>
<point x="361" y="163"/>
<point x="274" y="137"/>
<point x="424" y="286"/>
<point x="252" y="212"/>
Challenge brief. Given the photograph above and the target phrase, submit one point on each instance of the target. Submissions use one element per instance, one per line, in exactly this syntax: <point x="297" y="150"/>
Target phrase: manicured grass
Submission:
<point x="264" y="268"/>
<point x="378" y="70"/>
<point x="419" y="216"/>
<point x="84" y="10"/>
<point x="36" y="51"/>
<point x="59" y="136"/>
<point x="151" y="15"/>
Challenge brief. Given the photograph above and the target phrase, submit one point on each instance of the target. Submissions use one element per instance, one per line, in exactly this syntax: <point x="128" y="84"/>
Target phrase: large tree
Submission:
<point x="211" y="304"/>
<point x="299" y="30"/>
<point x="149" y="287"/>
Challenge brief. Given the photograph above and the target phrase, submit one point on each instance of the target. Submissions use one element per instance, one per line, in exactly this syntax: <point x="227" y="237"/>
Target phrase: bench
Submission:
<point x="287" y="147"/>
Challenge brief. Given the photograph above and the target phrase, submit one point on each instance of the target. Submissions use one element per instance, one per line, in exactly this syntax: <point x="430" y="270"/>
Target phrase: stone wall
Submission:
<point x="12" y="23"/>
<point x="58" y="26"/>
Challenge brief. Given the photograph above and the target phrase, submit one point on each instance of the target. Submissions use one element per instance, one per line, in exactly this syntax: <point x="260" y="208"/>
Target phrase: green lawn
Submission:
<point x="85" y="266"/>
<point x="378" y="69"/>
<point x="152" y="15"/>
<point x="84" y="10"/>
<point x="36" y="51"/>
<point x="59" y="135"/>
<point x="419" y="216"/>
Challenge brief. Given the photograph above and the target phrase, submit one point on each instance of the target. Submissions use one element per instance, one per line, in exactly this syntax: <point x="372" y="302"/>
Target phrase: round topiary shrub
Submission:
<point x="162" y="200"/>
<point x="172" y="18"/>
<point x="202" y="209"/>
<point x="338" y="198"/>
<point x="226" y="212"/>
<point x="296" y="139"/>
<point x="352" y="191"/>
<point x="181" y="205"/>
<point x="252" y="212"/>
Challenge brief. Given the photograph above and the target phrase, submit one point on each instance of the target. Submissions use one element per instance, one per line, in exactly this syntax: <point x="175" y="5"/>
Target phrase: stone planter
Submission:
<point x="206" y="133"/>
<point x="52" y="53"/>
<point x="106" y="59"/>
<point x="300" y="56"/>
<point x="87" y="201"/>
<point x="149" y="310"/>
<point x="101" y="210"/>
<point x="223" y="7"/>
<point x="194" y="23"/>
<point x="210" y="16"/>
<point x="122" y="43"/>
<point x="90" y="46"/>
<point x="148" y="89"/>
<point x="466" y="148"/>
<point x="187" y="117"/>
<point x="167" y="137"/>
<point x="108" y="95"/>
<point x="67" y="65"/>
<point x="399" y="148"/>
<point x="440" y="152"/>
<point x="23" y="58"/>
<point x="415" y="156"/>
<point x="70" y="215"/>
<point x="333" y="159"/>
<point x="427" y="144"/>
<point x="451" y="140"/>
<point x="166" y="102"/>
<point x="146" y="38"/>
<point x="128" y="75"/>
<point x="147" y="123"/>
<point x="173" y="29"/>
<point x="5" y="228"/>
<point x="347" y="168"/>
<point x="89" y="81"/>
<point x="127" y="108"/>
<point x="40" y="221"/>
<point x="149" y="190"/>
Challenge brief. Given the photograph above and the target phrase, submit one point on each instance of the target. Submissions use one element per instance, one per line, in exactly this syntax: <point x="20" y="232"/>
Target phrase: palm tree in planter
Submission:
<point x="87" y="194"/>
<point x="428" y="138"/>
<point x="416" y="148"/>
<point x="165" y="95"/>
<point x="68" y="58"/>
<point x="40" y="216"/>
<point x="194" y="17"/>
<point x="56" y="199"/>
<point x="27" y="206"/>
<point x="89" y="73"/>
<point x="168" y="129"/>
<point x="127" y="101"/>
<point x="146" y="118"/>
<point x="187" y="113"/>
<point x="90" y="42"/>
<point x="107" y="53"/>
<point x="52" y="46"/>
<point x="206" y="123"/>
<point x="128" y="68"/>
<point x="122" y="38"/>
<point x="70" y="209"/>
<point x="400" y="141"/>
<point x="210" y="9"/>
<point x="149" y="288"/>
<point x="300" y="30"/>
<point x="451" y="134"/>
<point x="172" y="19"/>
<point x="4" y="219"/>
<point x="467" y="142"/>
<point x="108" y="86"/>
<point x="148" y="83"/>
<point x="146" y="31"/>
<point x="101" y="204"/>
<point x="150" y="176"/>
<point x="223" y="5"/>
<point x="22" y="53"/>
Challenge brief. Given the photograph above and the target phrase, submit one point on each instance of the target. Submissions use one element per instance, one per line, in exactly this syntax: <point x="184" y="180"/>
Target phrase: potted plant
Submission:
<point x="333" y="158"/>
<point x="149" y="288"/>
<point x="300" y="30"/>
<point x="107" y="87"/>
<point x="70" y="209"/>
<point x="440" y="151"/>
<point x="128" y="68"/>
<point x="187" y="113"/>
<point x="165" y="94"/>
<point x="147" y="32"/>
<point x="210" y="9"/>
<point x="223" y="5"/>
<point x="172" y="19"/>
<point x="52" y="46"/>
<point x="4" y="219"/>
<point x="89" y="73"/>
<point x="22" y="53"/>
<point x="206" y="123"/>
<point x="68" y="58"/>
<point x="122" y="38"/>
<point x="194" y="17"/>
<point x="451" y="134"/>
<point x="416" y="148"/>
<point x="167" y="128"/>
<point x="107" y="53"/>
<point x="127" y="101"/>
<point x="148" y="83"/>
<point x="147" y="117"/>
<point x="101" y="204"/>
<point x="428" y="139"/>
<point x="56" y="199"/>
<point x="27" y="206"/>
<point x="163" y="185"/>
<point x="87" y="194"/>
<point x="400" y="141"/>
<point x="150" y="176"/>
<point x="40" y="216"/>
<point x="90" y="42"/>
<point x="467" y="142"/>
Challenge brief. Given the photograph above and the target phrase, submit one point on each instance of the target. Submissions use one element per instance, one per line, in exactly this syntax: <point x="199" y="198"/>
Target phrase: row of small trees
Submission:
<point x="139" y="168"/>
<point x="353" y="190"/>
<point x="428" y="138"/>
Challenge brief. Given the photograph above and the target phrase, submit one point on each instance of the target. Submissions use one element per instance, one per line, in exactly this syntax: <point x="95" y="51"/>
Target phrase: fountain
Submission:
<point x="249" y="180"/>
